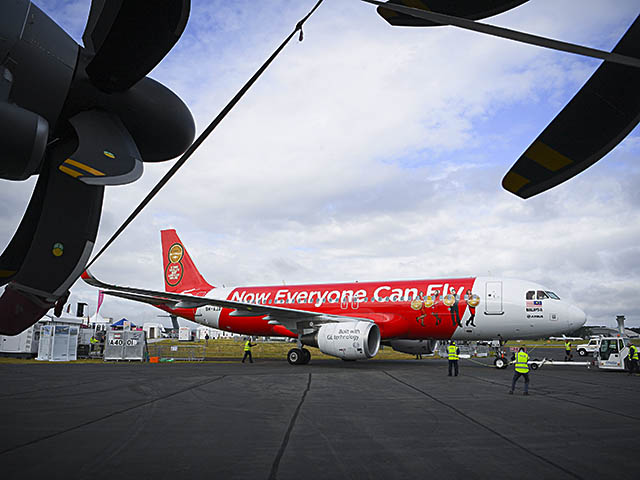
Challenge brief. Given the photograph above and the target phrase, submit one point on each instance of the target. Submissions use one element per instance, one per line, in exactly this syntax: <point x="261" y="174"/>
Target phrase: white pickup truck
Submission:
<point x="588" y="348"/>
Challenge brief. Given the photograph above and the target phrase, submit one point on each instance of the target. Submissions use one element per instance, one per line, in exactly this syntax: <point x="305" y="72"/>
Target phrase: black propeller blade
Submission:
<point x="51" y="246"/>
<point x="92" y="123"/>
<point x="596" y="119"/>
<point x="470" y="9"/>
<point x="129" y="39"/>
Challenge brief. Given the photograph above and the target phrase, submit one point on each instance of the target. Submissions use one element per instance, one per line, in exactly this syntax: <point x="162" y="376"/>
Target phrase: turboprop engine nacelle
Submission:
<point x="414" y="347"/>
<point x="346" y="340"/>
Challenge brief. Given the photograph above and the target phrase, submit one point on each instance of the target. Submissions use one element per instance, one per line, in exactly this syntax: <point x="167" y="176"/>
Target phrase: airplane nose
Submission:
<point x="577" y="318"/>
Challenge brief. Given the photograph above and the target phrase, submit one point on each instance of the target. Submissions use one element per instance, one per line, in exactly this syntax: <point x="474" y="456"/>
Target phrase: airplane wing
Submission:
<point x="290" y="318"/>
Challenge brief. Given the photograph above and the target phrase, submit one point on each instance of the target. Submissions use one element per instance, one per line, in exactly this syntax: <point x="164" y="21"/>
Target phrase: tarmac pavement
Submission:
<point x="329" y="419"/>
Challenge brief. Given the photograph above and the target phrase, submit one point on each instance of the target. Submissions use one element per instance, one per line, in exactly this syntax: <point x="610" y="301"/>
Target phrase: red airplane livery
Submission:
<point x="351" y="320"/>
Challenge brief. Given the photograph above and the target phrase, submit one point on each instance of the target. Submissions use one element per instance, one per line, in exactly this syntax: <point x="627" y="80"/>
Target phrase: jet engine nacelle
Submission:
<point x="346" y="340"/>
<point x="414" y="347"/>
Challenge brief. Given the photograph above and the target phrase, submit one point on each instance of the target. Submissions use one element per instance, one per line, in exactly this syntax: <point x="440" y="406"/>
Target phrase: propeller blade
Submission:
<point x="106" y="154"/>
<point x="597" y="118"/>
<point x="63" y="224"/>
<point x="515" y="35"/>
<point x="13" y="256"/>
<point x="129" y="38"/>
<point x="470" y="9"/>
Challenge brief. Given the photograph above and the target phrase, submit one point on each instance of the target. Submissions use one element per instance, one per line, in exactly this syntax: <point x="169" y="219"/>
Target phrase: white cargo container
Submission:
<point x="58" y="343"/>
<point x="184" y="334"/>
<point x="153" y="330"/>
<point x="24" y="344"/>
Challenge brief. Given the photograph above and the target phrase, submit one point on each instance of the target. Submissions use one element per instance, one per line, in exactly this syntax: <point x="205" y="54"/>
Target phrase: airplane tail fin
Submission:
<point x="180" y="273"/>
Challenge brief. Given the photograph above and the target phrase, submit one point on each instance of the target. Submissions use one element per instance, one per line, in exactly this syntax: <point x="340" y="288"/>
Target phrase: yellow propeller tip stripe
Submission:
<point x="84" y="167"/>
<point x="546" y="156"/>
<point x="513" y="182"/>
<point x="70" y="172"/>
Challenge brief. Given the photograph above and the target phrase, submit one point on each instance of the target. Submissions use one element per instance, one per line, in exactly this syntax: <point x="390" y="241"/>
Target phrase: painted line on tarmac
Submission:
<point x="48" y="389"/>
<point x="113" y="414"/>
<point x="480" y="424"/>
<point x="285" y="441"/>
<point x="546" y="374"/>
<point x="546" y="393"/>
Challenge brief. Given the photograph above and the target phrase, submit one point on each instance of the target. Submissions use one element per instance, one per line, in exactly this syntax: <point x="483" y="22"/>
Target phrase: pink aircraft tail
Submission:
<point x="180" y="273"/>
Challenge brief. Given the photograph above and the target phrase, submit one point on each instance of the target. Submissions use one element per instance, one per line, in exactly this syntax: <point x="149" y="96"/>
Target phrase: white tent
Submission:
<point x="99" y="322"/>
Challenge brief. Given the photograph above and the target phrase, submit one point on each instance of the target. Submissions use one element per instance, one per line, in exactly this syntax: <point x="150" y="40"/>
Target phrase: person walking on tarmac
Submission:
<point x="454" y="353"/>
<point x="522" y="370"/>
<point x="247" y="350"/>
<point x="633" y="359"/>
<point x="567" y="351"/>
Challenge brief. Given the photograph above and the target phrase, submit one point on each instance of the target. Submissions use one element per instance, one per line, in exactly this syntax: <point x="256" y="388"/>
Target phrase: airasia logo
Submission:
<point x="174" y="271"/>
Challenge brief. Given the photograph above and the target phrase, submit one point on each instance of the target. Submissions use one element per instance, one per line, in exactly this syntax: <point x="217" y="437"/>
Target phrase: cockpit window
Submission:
<point x="552" y="295"/>
<point x="531" y="295"/>
<point x="541" y="295"/>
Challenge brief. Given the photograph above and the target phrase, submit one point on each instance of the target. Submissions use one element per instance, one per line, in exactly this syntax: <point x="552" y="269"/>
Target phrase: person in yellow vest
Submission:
<point x="522" y="370"/>
<point x="454" y="353"/>
<point x="567" y="351"/>
<point x="633" y="359"/>
<point x="247" y="350"/>
<point x="93" y="341"/>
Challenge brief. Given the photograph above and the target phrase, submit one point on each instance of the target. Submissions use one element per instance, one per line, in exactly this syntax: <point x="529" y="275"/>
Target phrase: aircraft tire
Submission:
<point x="500" y="363"/>
<point x="295" y="356"/>
<point x="582" y="352"/>
<point x="306" y="356"/>
<point x="533" y="366"/>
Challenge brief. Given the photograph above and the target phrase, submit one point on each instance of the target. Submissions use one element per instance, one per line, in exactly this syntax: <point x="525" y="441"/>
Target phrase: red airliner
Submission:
<point x="351" y="320"/>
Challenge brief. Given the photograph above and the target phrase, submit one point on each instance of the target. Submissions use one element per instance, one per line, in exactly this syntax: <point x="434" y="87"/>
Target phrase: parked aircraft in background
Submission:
<point x="351" y="320"/>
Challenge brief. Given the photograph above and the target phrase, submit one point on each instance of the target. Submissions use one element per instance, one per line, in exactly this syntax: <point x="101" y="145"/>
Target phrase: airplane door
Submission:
<point x="344" y="303"/>
<point x="347" y="302"/>
<point x="493" y="298"/>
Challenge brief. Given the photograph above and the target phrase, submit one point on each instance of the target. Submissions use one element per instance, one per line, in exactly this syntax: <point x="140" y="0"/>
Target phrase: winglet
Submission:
<point x="90" y="279"/>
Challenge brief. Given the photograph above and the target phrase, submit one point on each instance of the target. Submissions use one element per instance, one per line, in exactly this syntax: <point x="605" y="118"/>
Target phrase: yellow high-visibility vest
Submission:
<point x="567" y="345"/>
<point x="633" y="352"/>
<point x="522" y="364"/>
<point x="453" y="355"/>
<point x="247" y="346"/>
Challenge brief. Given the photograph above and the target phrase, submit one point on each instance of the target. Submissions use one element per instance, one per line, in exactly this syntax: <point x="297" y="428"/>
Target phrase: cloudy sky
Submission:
<point x="368" y="152"/>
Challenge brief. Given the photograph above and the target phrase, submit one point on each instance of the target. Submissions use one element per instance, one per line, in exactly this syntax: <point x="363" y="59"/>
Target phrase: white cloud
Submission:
<point x="368" y="152"/>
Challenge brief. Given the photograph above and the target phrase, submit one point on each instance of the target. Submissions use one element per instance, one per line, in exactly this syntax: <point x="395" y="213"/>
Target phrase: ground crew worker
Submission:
<point x="454" y="351"/>
<point x="93" y="341"/>
<point x="247" y="350"/>
<point x="522" y="369"/>
<point x="567" y="351"/>
<point x="633" y="359"/>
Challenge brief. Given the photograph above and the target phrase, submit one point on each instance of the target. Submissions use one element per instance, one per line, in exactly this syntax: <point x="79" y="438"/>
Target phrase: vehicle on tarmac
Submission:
<point x="590" y="348"/>
<point x="612" y="352"/>
<point x="351" y="320"/>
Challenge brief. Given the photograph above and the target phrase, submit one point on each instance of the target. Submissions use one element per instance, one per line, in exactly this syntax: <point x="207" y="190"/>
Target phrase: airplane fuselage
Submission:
<point x="506" y="308"/>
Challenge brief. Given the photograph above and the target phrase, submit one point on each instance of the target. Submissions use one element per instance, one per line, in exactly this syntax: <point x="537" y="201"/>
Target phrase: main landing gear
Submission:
<point x="298" y="356"/>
